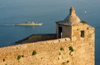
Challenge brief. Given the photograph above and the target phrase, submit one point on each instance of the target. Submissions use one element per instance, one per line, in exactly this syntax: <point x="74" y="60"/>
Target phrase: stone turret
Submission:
<point x="73" y="28"/>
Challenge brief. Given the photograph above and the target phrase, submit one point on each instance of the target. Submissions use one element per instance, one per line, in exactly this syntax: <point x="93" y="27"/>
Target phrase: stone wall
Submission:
<point x="50" y="52"/>
<point x="66" y="31"/>
<point x="88" y="32"/>
<point x="36" y="38"/>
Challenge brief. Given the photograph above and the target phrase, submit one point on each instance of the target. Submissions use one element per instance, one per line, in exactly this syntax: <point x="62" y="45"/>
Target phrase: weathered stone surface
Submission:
<point x="37" y="38"/>
<point x="80" y="34"/>
<point x="48" y="53"/>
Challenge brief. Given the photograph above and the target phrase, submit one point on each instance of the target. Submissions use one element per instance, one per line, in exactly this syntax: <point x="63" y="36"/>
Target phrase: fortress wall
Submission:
<point x="37" y="37"/>
<point x="49" y="53"/>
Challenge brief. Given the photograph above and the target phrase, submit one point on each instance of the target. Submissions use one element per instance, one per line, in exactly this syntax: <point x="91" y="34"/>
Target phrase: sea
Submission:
<point x="46" y="12"/>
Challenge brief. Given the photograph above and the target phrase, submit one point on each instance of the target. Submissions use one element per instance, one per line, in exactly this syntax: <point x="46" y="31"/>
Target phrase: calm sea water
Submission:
<point x="46" y="12"/>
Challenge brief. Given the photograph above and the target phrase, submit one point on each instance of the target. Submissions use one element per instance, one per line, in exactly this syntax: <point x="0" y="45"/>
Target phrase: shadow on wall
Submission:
<point x="36" y="38"/>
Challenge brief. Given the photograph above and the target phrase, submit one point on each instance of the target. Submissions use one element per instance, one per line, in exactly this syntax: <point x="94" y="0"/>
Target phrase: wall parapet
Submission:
<point x="48" y="53"/>
<point x="15" y="50"/>
<point x="36" y="38"/>
<point x="43" y="42"/>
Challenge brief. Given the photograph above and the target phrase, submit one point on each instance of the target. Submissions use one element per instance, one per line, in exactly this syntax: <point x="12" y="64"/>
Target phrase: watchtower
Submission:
<point x="74" y="28"/>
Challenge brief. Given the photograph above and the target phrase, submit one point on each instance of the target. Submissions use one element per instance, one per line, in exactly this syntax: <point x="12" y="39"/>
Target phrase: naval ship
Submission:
<point x="28" y="23"/>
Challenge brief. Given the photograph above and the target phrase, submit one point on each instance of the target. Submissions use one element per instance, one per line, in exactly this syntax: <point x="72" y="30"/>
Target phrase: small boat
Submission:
<point x="29" y="23"/>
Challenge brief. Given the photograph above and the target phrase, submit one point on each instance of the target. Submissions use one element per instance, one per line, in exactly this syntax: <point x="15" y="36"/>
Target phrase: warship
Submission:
<point x="29" y="23"/>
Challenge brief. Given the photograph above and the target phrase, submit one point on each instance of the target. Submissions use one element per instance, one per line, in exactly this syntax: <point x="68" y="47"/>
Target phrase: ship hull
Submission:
<point x="39" y="24"/>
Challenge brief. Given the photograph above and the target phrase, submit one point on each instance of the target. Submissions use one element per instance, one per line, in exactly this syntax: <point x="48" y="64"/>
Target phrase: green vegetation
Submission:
<point x="5" y="64"/>
<point x="62" y="49"/>
<point x="84" y="22"/>
<point x="64" y="63"/>
<point x="58" y="58"/>
<point x="18" y="57"/>
<point x="71" y="50"/>
<point x="34" y="53"/>
<point x="67" y="61"/>
<point x="60" y="53"/>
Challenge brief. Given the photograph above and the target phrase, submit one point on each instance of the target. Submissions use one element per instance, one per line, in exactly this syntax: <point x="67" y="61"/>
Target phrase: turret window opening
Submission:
<point x="60" y="32"/>
<point x="82" y="34"/>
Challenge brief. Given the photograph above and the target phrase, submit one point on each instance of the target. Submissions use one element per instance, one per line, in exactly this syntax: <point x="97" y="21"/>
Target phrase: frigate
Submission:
<point x="29" y="23"/>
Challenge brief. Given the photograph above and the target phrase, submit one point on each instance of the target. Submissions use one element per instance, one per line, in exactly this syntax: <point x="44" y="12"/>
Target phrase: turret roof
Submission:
<point x="71" y="19"/>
